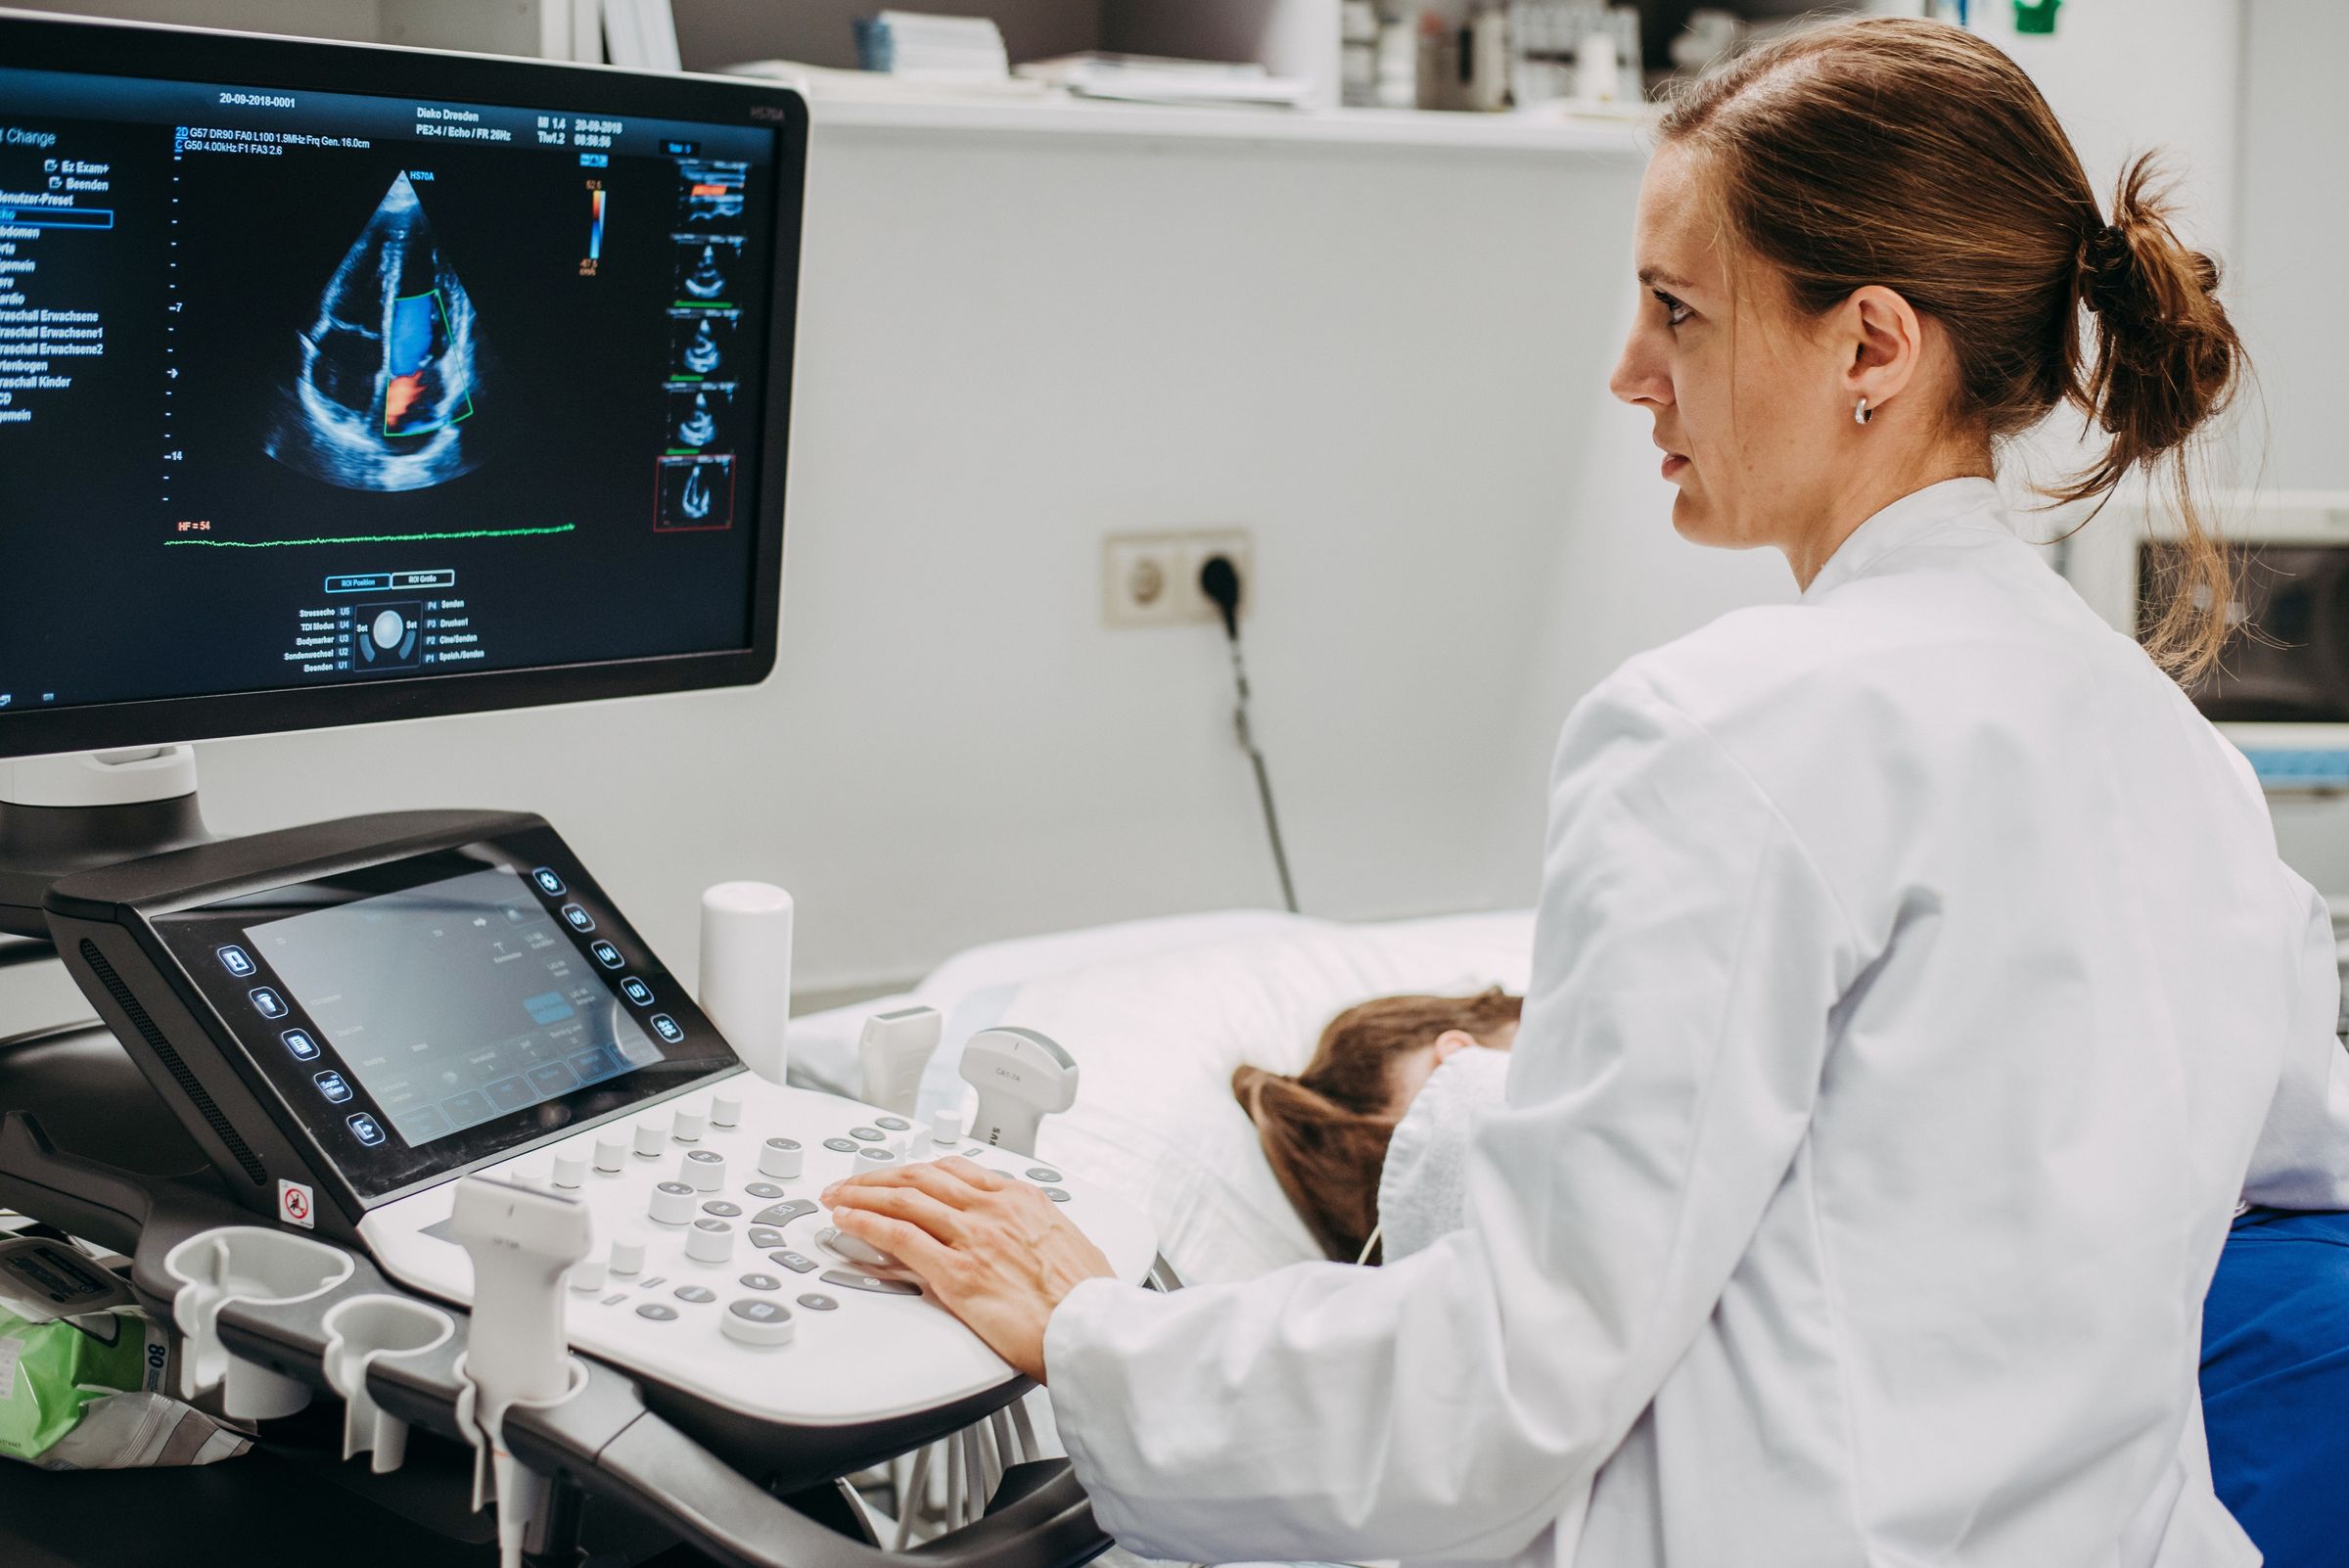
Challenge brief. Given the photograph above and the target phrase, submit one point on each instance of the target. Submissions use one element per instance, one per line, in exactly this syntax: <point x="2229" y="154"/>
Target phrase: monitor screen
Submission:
<point x="307" y="390"/>
<point x="513" y="1015"/>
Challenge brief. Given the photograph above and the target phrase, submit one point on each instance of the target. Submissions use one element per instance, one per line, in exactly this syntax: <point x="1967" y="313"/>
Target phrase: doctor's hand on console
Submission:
<point x="996" y="1253"/>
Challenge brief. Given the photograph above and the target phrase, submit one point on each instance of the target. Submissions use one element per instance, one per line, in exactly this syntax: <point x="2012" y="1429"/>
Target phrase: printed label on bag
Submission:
<point x="294" y="1205"/>
<point x="10" y="1350"/>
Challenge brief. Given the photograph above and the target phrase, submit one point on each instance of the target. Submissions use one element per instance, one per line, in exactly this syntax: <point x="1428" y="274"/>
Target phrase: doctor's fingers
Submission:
<point x="952" y="1180"/>
<point x="928" y="1257"/>
<point x="903" y="1202"/>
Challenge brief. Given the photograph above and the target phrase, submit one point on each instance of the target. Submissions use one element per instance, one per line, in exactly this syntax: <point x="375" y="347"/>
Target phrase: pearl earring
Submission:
<point x="1862" y="413"/>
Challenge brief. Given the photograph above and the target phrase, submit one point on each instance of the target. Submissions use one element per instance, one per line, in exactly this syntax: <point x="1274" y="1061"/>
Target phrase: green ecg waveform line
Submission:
<point x="377" y="538"/>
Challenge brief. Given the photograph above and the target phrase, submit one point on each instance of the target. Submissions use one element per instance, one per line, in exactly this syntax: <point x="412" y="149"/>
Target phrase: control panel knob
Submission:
<point x="628" y="1254"/>
<point x="610" y="1151"/>
<point x="587" y="1274"/>
<point x="780" y="1158"/>
<point x="673" y="1202"/>
<point x="725" y="1110"/>
<point x="873" y="1157"/>
<point x="689" y="1126"/>
<point x="533" y="1177"/>
<point x="709" y="1241"/>
<point x="946" y="1127"/>
<point x="702" y="1169"/>
<point x="651" y="1136"/>
<point x="757" y="1321"/>
<point x="863" y="1254"/>
<point x="571" y="1169"/>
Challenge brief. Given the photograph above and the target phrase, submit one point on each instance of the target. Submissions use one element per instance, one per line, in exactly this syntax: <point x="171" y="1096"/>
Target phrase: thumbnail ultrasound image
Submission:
<point x="701" y="418"/>
<point x="710" y="194"/>
<point x="701" y="345"/>
<point x="696" y="492"/>
<point x="707" y="270"/>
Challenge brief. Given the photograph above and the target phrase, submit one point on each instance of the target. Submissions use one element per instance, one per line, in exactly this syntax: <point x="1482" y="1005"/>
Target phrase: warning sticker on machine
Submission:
<point x="293" y="1205"/>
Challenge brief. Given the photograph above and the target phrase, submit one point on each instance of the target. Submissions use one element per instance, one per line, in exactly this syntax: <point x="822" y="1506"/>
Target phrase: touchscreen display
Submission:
<point x="457" y="1001"/>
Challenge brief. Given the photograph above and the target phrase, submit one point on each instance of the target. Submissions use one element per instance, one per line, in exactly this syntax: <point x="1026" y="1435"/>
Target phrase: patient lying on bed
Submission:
<point x="1327" y="1132"/>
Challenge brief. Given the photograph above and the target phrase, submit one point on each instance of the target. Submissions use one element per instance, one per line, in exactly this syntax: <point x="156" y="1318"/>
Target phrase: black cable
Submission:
<point x="1219" y="580"/>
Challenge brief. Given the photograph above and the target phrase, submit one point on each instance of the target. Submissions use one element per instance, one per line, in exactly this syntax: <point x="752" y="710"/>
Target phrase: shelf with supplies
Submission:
<point x="1626" y="140"/>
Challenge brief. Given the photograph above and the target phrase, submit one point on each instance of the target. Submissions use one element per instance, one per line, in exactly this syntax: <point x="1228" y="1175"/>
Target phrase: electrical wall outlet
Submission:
<point x="1152" y="580"/>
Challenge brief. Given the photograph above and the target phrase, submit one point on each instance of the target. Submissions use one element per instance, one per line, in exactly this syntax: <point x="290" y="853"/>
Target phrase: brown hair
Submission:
<point x="1915" y="155"/>
<point x="1326" y="1131"/>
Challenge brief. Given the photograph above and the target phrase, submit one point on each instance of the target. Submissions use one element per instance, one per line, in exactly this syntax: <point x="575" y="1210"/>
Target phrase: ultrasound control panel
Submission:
<point x="348" y="1017"/>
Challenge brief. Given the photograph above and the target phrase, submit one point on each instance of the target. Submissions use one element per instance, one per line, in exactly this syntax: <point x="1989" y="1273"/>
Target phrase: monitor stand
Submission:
<point x="83" y="809"/>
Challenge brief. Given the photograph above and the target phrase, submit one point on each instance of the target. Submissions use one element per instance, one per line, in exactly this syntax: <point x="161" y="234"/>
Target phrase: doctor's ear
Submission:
<point x="1882" y="340"/>
<point x="1452" y="1042"/>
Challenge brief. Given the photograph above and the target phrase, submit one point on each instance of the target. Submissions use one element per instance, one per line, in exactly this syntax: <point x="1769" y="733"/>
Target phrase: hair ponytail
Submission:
<point x="1325" y="1156"/>
<point x="2166" y="361"/>
<point x="1914" y="155"/>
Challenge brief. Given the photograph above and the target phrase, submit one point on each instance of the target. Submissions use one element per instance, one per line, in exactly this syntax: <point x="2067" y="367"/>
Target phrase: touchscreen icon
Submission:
<point x="577" y="919"/>
<point x="237" y="961"/>
<point x="548" y="882"/>
<point x="269" y="1003"/>
<point x="333" y="1087"/>
<point x="366" y="1129"/>
<point x="299" y="1042"/>
<point x="607" y="954"/>
<point x="637" y="990"/>
<point x="666" y="1028"/>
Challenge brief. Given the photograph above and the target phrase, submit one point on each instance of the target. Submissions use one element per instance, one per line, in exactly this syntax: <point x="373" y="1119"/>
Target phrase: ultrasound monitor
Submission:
<point x="341" y="385"/>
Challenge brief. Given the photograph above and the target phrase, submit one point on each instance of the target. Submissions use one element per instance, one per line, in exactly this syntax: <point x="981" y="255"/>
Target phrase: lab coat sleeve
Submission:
<point x="2302" y="1159"/>
<point x="1687" y="954"/>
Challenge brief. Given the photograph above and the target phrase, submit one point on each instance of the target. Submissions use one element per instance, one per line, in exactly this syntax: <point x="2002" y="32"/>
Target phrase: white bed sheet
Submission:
<point x="1158" y="1014"/>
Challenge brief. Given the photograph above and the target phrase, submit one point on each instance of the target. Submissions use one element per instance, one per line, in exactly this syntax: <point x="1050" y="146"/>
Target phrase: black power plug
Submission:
<point x="1219" y="580"/>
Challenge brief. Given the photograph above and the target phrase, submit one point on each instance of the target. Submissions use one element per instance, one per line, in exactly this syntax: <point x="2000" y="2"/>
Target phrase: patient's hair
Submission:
<point x="1326" y="1131"/>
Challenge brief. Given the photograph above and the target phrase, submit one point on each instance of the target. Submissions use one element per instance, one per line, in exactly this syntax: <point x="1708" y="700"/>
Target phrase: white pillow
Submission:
<point x="1157" y="1037"/>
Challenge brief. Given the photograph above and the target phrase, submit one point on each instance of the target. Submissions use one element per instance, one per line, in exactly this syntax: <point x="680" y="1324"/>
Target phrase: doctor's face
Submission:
<point x="1742" y="390"/>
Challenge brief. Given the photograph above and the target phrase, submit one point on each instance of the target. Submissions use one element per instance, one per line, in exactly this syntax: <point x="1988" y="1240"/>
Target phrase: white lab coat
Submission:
<point x="1915" y="990"/>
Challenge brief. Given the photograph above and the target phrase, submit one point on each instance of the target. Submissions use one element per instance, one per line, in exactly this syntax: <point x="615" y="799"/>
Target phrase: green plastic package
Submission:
<point x="51" y="1372"/>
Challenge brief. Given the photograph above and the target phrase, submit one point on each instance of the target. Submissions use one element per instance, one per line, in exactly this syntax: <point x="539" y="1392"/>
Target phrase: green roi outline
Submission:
<point x="378" y="538"/>
<point x="440" y="310"/>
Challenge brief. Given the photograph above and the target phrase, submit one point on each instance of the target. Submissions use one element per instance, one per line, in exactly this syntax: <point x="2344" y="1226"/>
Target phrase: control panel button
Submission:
<point x="723" y="1209"/>
<point x="1038" y="1173"/>
<point x="637" y="990"/>
<point x="651" y="1136"/>
<point x="611" y="1152"/>
<point x="669" y="1029"/>
<point x="672" y="1203"/>
<point x="862" y="1253"/>
<point x="1055" y="1194"/>
<point x="817" y="1302"/>
<point x="548" y="882"/>
<point x="799" y="1263"/>
<point x="333" y="1087"/>
<point x="867" y="1134"/>
<point x="628" y="1254"/>
<point x="237" y="961"/>
<point x="571" y="1169"/>
<point x="577" y="919"/>
<point x="763" y="1189"/>
<point x="840" y="1145"/>
<point x="299" y="1042"/>
<point x="709" y="1241"/>
<point x="780" y="1158"/>
<point x="366" y="1129"/>
<point x="764" y="1236"/>
<point x="760" y="1282"/>
<point x="725" y="1110"/>
<point x="872" y="1282"/>
<point x="783" y="1213"/>
<point x="606" y="955"/>
<point x="892" y="1124"/>
<point x="660" y="1312"/>
<point x="587" y="1274"/>
<point x="869" y="1157"/>
<point x="752" y="1322"/>
<point x="698" y="1295"/>
<point x="689" y="1126"/>
<point x="268" y="1003"/>
<point x="704" y="1170"/>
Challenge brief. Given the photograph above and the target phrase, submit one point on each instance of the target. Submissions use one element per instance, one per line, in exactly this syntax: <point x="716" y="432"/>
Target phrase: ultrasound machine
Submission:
<point x="325" y="371"/>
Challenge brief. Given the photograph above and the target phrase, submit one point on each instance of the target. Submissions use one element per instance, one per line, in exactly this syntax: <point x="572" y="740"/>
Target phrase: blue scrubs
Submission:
<point x="2276" y="1384"/>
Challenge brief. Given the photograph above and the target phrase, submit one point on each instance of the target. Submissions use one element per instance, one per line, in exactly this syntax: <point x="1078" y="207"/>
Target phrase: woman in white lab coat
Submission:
<point x="1915" y="990"/>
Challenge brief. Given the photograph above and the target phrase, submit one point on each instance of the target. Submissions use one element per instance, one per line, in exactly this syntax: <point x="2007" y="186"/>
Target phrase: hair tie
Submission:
<point x="2107" y="265"/>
